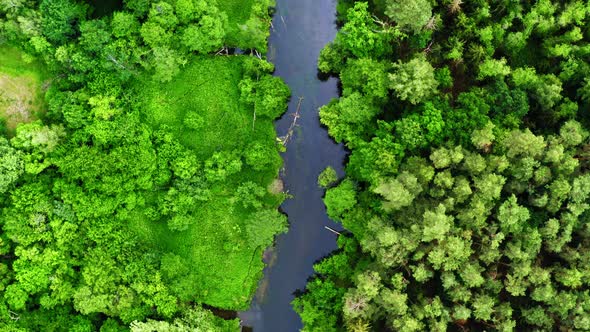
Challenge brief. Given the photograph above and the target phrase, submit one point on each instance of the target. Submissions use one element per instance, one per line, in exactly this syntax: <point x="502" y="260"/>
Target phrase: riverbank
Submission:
<point x="300" y="30"/>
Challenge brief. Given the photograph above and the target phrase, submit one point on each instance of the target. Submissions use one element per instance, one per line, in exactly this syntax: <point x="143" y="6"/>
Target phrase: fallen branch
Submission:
<point x="224" y="50"/>
<point x="285" y="139"/>
<point x="429" y="48"/>
<point x="13" y="315"/>
<point x="332" y="230"/>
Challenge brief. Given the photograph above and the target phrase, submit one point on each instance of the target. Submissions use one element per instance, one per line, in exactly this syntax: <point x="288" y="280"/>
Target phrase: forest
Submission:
<point x="140" y="168"/>
<point x="138" y="163"/>
<point x="467" y="188"/>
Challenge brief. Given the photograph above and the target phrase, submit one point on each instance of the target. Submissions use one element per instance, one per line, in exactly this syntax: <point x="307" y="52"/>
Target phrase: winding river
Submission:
<point x="301" y="28"/>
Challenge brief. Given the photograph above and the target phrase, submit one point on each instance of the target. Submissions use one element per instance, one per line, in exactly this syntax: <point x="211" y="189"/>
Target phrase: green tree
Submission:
<point x="11" y="165"/>
<point x="414" y="80"/>
<point x="340" y="199"/>
<point x="37" y="142"/>
<point x="124" y="24"/>
<point x="166" y="63"/>
<point x="327" y="177"/>
<point x="59" y="19"/>
<point x="268" y="95"/>
<point x="349" y="118"/>
<point x="221" y="165"/>
<point x="206" y="36"/>
<point x="360" y="36"/>
<point x="366" y="76"/>
<point x="411" y="15"/>
<point x="261" y="156"/>
<point x="250" y="194"/>
<point x="469" y="225"/>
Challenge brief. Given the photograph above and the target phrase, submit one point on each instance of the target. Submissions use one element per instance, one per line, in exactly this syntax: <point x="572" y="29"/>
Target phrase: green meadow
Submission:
<point x="224" y="270"/>
<point x="21" y="88"/>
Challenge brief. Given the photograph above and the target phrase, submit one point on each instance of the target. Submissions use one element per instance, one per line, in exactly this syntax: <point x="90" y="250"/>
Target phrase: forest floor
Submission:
<point x="21" y="89"/>
<point x="224" y="269"/>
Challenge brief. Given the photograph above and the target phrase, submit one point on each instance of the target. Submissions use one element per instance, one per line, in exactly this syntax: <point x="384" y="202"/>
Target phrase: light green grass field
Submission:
<point x="238" y="11"/>
<point x="223" y="271"/>
<point x="21" y="83"/>
<point x="207" y="86"/>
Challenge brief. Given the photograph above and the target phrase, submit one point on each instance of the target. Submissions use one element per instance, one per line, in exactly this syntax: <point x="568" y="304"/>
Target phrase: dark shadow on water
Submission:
<point x="323" y="76"/>
<point x="225" y="314"/>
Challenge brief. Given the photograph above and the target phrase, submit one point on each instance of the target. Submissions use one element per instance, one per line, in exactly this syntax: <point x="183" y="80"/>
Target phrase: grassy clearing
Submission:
<point x="21" y="88"/>
<point x="224" y="271"/>
<point x="208" y="87"/>
<point x="238" y="11"/>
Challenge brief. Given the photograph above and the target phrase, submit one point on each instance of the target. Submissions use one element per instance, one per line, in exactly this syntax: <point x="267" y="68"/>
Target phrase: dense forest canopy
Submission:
<point x="138" y="165"/>
<point x="142" y="187"/>
<point x="467" y="188"/>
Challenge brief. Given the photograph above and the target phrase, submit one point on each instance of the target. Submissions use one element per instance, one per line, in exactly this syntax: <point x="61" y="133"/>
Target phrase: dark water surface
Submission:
<point x="301" y="29"/>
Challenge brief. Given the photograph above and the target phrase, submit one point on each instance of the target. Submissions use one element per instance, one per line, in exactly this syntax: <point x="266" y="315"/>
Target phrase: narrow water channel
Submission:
<point x="301" y="29"/>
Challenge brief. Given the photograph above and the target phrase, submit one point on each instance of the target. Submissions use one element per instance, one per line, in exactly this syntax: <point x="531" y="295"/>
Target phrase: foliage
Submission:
<point x="193" y="319"/>
<point x="412" y="15"/>
<point x="11" y="165"/>
<point x="267" y="95"/>
<point x="413" y="81"/>
<point x="472" y="226"/>
<point x="129" y="177"/>
<point x="249" y="23"/>
<point x="59" y="19"/>
<point x="263" y="226"/>
<point x="464" y="183"/>
<point x="340" y="199"/>
<point x="360" y="36"/>
<point x="327" y="177"/>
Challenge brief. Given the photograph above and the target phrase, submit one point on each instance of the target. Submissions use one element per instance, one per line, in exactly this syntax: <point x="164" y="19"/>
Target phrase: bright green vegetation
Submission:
<point x="205" y="95"/>
<point x="327" y="177"/>
<point x="467" y="188"/>
<point x="239" y="11"/>
<point x="21" y="96"/>
<point x="192" y="320"/>
<point x="202" y="108"/>
<point x="147" y="190"/>
<point x="249" y="22"/>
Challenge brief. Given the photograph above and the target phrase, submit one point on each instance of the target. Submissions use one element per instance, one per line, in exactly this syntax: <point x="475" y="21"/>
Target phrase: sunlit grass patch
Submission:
<point x="202" y="108"/>
<point x="21" y="88"/>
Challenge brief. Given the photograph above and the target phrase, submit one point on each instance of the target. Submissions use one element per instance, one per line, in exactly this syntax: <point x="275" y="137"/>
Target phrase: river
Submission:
<point x="301" y="29"/>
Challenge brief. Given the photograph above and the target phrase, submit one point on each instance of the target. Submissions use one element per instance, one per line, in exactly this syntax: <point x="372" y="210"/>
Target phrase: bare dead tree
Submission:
<point x="432" y="23"/>
<point x="455" y="6"/>
<point x="428" y="49"/>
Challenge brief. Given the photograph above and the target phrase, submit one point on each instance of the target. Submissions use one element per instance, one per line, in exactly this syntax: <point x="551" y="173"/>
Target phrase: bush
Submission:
<point x="327" y="177"/>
